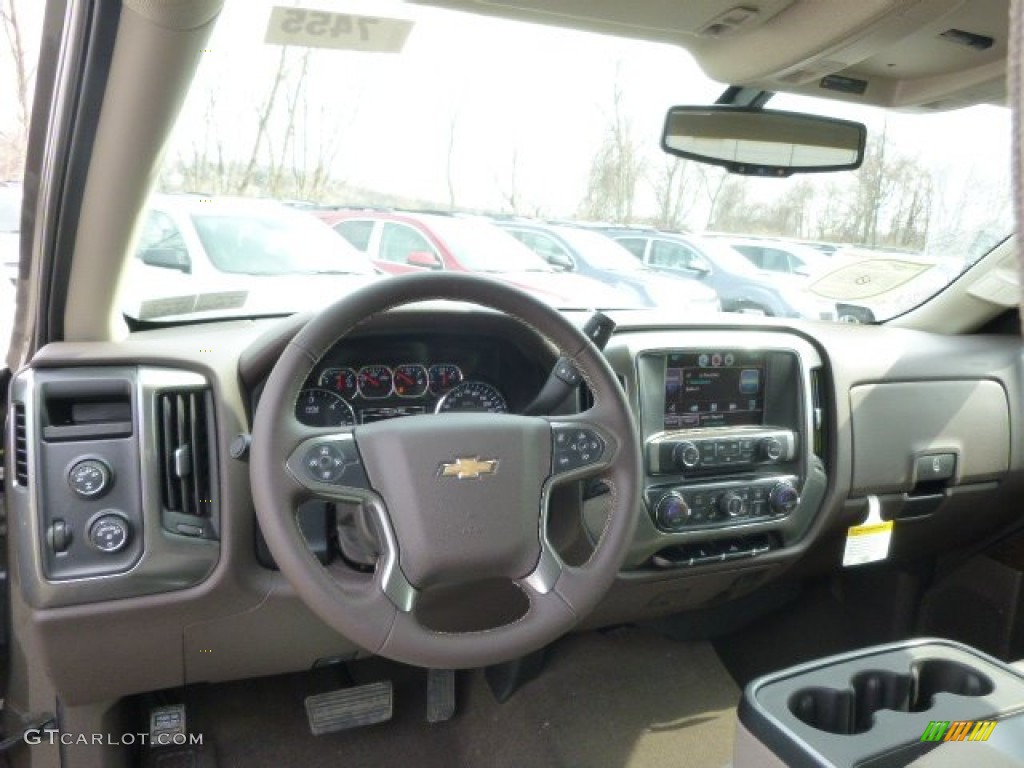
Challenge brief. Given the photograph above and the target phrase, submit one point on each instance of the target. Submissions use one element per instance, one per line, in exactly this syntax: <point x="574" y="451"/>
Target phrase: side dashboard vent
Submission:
<point x="20" y="445"/>
<point x="187" y="461"/>
<point x="819" y="433"/>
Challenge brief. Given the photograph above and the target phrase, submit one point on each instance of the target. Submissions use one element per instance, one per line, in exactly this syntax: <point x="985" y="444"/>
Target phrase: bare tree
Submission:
<point x="264" y="114"/>
<point x="450" y="159"/>
<point x="616" y="169"/>
<point x="712" y="179"/>
<point x="675" y="184"/>
<point x="15" y="143"/>
<point x="509" y="190"/>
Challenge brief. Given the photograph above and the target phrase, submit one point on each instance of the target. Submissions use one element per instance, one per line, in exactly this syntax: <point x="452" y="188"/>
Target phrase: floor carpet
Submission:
<point x="627" y="698"/>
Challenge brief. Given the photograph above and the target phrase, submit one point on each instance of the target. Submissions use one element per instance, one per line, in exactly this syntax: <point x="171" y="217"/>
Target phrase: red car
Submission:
<point x="413" y="242"/>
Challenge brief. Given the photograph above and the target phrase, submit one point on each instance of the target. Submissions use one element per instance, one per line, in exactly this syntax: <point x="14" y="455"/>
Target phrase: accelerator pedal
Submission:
<point x="350" y="708"/>
<point x="440" y="695"/>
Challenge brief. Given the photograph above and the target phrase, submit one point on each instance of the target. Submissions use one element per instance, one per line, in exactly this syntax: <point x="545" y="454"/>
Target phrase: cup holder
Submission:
<point x="941" y="676"/>
<point x="852" y="710"/>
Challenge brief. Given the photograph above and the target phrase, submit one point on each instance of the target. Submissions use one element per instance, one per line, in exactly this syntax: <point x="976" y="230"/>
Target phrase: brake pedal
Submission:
<point x="440" y="695"/>
<point x="350" y="708"/>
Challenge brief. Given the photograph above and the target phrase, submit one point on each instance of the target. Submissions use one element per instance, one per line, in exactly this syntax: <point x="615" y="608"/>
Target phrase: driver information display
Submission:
<point x="714" y="389"/>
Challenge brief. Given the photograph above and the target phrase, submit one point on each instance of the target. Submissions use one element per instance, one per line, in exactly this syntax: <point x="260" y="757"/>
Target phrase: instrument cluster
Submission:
<point x="350" y="395"/>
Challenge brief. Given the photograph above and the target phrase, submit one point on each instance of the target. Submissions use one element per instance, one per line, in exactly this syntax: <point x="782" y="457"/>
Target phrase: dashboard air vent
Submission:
<point x="819" y="435"/>
<point x="187" y="467"/>
<point x="20" y="445"/>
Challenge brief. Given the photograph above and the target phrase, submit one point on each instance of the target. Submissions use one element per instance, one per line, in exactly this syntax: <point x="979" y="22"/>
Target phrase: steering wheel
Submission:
<point x="453" y="498"/>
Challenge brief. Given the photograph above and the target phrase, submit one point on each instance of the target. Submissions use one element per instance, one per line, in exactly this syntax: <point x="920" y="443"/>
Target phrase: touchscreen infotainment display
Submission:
<point x="714" y="388"/>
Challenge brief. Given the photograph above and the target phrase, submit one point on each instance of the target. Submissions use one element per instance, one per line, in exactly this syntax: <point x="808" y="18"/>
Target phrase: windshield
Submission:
<point x="410" y="108"/>
<point x="275" y="245"/>
<point x="482" y="247"/>
<point x="599" y="251"/>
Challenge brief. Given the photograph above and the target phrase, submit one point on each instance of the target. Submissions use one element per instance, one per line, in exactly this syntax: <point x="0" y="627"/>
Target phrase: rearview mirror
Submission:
<point x="760" y="142"/>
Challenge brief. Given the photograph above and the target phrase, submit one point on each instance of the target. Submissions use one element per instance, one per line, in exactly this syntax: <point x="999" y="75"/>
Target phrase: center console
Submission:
<point x="919" y="703"/>
<point x="732" y="435"/>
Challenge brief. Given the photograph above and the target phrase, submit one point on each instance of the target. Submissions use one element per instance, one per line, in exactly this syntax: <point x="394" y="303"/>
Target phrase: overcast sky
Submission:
<point x="539" y="94"/>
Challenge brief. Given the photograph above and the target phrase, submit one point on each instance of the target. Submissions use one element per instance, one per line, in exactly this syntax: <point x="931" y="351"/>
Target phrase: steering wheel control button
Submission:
<point x="576" y="447"/>
<point x="109" y="534"/>
<point x="332" y="462"/>
<point x="566" y="371"/>
<point x="90" y="478"/>
<point x="326" y="463"/>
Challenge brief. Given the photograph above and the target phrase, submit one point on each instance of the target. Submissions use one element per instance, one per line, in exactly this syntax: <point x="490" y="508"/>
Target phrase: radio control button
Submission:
<point x="707" y="454"/>
<point x="784" y="498"/>
<point x="771" y="448"/>
<point x="733" y="504"/>
<point x="686" y="456"/>
<point x="673" y="512"/>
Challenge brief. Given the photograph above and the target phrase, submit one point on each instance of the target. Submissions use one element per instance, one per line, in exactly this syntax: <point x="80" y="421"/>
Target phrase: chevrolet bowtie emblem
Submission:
<point x="473" y="468"/>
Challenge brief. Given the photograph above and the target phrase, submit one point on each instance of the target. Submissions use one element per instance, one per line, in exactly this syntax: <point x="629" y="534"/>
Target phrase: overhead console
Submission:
<point x="732" y="431"/>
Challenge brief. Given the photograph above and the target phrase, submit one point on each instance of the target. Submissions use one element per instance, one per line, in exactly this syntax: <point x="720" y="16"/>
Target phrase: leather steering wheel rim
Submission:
<point x="426" y="542"/>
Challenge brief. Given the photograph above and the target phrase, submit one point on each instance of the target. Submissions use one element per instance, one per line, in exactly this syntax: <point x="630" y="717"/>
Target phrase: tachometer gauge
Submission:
<point x="472" y="396"/>
<point x="444" y="376"/>
<point x="340" y="380"/>
<point x="374" y="381"/>
<point x="411" y="380"/>
<point x="317" y="407"/>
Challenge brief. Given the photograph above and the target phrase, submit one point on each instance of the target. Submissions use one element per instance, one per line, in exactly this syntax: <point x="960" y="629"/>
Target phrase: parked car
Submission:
<point x="741" y="286"/>
<point x="10" y="224"/>
<point x="791" y="261"/>
<point x="572" y="249"/>
<point x="778" y="255"/>
<point x="401" y="242"/>
<point x="198" y="254"/>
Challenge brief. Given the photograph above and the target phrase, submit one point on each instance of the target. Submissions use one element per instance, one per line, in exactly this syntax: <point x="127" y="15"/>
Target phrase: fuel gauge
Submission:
<point x="340" y="380"/>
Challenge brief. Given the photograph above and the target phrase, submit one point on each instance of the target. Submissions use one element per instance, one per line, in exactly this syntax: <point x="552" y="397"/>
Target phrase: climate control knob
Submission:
<point x="673" y="512"/>
<point x="783" y="498"/>
<point x="686" y="455"/>
<point x="732" y="504"/>
<point x="771" y="448"/>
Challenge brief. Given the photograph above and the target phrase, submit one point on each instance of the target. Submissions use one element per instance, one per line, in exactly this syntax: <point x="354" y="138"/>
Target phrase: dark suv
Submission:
<point x="740" y="285"/>
<point x="572" y="249"/>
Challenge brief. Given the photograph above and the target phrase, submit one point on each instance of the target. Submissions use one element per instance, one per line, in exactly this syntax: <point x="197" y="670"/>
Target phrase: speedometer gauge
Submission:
<point x="317" y="407"/>
<point x="473" y="396"/>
